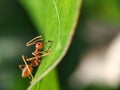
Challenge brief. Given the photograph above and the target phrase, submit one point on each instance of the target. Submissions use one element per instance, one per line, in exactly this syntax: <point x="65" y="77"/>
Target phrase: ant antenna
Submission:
<point x="34" y="40"/>
<point x="23" y="57"/>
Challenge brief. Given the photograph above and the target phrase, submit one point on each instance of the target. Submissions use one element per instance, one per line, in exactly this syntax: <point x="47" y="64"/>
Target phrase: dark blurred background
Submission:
<point x="98" y="26"/>
<point x="15" y="30"/>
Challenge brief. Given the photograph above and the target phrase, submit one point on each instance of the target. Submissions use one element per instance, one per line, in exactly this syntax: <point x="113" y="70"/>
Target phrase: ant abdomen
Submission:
<point x="27" y="71"/>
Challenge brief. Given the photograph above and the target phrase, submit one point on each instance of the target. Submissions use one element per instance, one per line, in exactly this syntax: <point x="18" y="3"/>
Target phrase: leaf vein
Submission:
<point x="59" y="23"/>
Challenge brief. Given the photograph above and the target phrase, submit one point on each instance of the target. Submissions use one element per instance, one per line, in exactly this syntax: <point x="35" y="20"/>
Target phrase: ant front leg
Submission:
<point x="51" y="42"/>
<point x="44" y="53"/>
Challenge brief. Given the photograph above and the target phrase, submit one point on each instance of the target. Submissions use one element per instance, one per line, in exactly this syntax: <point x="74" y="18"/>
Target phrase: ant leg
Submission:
<point x="21" y="66"/>
<point x="34" y="40"/>
<point x="27" y="59"/>
<point x="31" y="59"/>
<point x="45" y="54"/>
<point x="39" y="52"/>
<point x="49" y="41"/>
<point x="31" y="78"/>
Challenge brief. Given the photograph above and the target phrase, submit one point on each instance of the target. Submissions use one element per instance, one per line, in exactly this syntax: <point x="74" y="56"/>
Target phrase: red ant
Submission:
<point x="27" y="69"/>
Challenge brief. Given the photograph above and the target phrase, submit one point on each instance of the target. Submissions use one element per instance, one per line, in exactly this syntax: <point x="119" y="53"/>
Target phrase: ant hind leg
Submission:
<point x="21" y="66"/>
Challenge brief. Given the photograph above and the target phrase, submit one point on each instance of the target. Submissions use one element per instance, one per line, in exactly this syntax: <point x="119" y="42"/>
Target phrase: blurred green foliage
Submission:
<point x="105" y="10"/>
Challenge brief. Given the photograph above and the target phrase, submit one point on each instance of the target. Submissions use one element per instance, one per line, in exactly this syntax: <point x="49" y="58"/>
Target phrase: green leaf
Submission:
<point x="49" y="82"/>
<point x="56" y="21"/>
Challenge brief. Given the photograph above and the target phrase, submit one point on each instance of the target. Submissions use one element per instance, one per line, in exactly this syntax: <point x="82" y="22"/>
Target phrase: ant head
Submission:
<point x="39" y="45"/>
